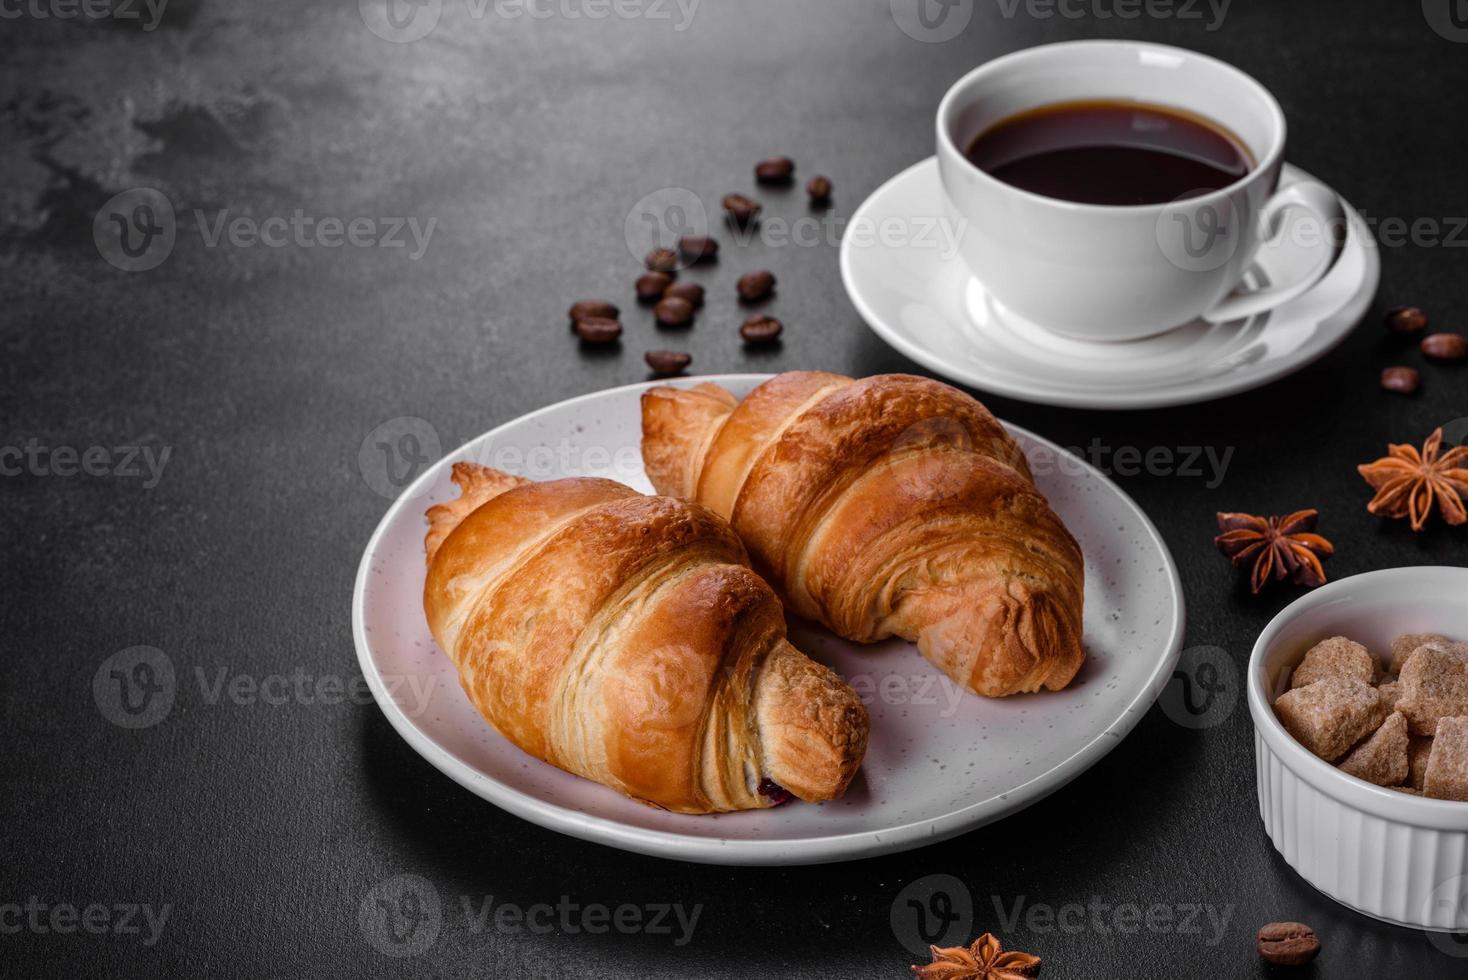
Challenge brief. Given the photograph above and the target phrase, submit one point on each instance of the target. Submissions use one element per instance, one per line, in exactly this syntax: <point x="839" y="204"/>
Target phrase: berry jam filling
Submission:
<point x="774" y="792"/>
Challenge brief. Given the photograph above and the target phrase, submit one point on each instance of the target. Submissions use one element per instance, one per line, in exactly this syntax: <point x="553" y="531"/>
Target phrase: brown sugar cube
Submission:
<point x="1406" y="789"/>
<point x="1382" y="758"/>
<point x="1407" y="644"/>
<point x="1434" y="684"/>
<point x="1330" y="716"/>
<point x="1447" y="766"/>
<point x="1390" y="691"/>
<point x="1419" y="747"/>
<point x="1335" y="657"/>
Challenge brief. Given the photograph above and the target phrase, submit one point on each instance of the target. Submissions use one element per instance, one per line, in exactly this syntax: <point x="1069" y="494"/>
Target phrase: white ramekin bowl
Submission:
<point x="1399" y="858"/>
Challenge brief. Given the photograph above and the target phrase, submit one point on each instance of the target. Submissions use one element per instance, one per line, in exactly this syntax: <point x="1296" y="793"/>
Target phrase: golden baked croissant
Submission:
<point x="624" y="638"/>
<point x="889" y="506"/>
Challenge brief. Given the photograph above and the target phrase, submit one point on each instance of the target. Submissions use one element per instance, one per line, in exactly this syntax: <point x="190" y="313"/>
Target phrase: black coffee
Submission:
<point x="1111" y="152"/>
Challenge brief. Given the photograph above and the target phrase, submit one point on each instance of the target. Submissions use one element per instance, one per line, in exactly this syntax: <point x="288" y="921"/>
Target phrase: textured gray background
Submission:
<point x="266" y="827"/>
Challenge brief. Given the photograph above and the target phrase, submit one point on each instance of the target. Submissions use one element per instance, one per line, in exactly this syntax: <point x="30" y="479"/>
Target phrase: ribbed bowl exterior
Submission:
<point x="1404" y="874"/>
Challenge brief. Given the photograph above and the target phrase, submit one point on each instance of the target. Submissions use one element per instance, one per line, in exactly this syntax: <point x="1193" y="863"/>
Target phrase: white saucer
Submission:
<point x="940" y="761"/>
<point x="926" y="303"/>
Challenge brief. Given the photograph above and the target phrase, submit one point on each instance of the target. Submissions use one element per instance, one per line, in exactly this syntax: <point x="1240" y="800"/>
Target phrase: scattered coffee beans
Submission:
<point x="761" y="329"/>
<point x="598" y="330"/>
<point x="587" y="308"/>
<point x="690" y="291"/>
<point x="1288" y="943"/>
<point x="673" y="312"/>
<point x="1445" y="346"/>
<point x="665" y="363"/>
<point x="755" y="286"/>
<point x="698" y="248"/>
<point x="819" y="190"/>
<point x="742" y="210"/>
<point x="1402" y="380"/>
<point x="662" y="260"/>
<point x="652" y="286"/>
<point x="1406" y="320"/>
<point x="776" y="170"/>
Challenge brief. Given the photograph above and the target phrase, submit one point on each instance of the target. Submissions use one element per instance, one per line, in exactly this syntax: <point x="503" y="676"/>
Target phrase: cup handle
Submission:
<point x="1321" y="202"/>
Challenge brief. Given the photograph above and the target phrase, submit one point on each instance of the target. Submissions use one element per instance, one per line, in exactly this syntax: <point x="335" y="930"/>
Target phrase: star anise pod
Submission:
<point x="1409" y="483"/>
<point x="1276" y="547"/>
<point x="984" y="960"/>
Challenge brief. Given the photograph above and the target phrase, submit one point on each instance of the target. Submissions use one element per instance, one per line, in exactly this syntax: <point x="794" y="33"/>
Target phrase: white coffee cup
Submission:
<point x="1115" y="273"/>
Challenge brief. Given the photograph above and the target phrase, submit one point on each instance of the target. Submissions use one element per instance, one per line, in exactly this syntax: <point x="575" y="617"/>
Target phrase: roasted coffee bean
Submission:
<point x="598" y="330"/>
<point x="1288" y="943"/>
<point x="698" y="248"/>
<point x="755" y="286"/>
<point x="662" y="260"/>
<point x="1406" y="320"/>
<point x="742" y="210"/>
<point x="673" y="312"/>
<point x="761" y="329"/>
<point x="819" y="190"/>
<point x="1402" y="380"/>
<point x="587" y="308"/>
<point x="652" y="285"/>
<point x="1445" y="346"/>
<point x="665" y="363"/>
<point x="690" y="291"/>
<point x="776" y="170"/>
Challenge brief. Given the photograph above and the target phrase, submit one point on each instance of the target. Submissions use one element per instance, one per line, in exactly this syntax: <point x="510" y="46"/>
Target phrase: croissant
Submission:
<point x="891" y="506"/>
<point x="624" y="638"/>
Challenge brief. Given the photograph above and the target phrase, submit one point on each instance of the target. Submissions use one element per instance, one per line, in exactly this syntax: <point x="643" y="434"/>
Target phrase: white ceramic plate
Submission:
<point x="940" y="762"/>
<point x="920" y="297"/>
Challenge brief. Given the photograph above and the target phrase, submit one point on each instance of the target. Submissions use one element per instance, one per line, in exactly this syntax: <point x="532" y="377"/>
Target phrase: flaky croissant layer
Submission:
<point x="624" y="638"/>
<point x="890" y="506"/>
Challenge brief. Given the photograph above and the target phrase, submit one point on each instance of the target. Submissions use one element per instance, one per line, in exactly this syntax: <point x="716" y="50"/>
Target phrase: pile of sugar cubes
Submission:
<point x="1407" y="730"/>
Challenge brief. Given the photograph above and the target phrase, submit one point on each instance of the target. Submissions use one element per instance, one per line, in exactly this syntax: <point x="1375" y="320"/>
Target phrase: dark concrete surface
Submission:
<point x="262" y="829"/>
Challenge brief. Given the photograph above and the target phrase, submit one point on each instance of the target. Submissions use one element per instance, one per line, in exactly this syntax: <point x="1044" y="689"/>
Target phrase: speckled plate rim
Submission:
<point x="1195" y="391"/>
<point x="705" y="850"/>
